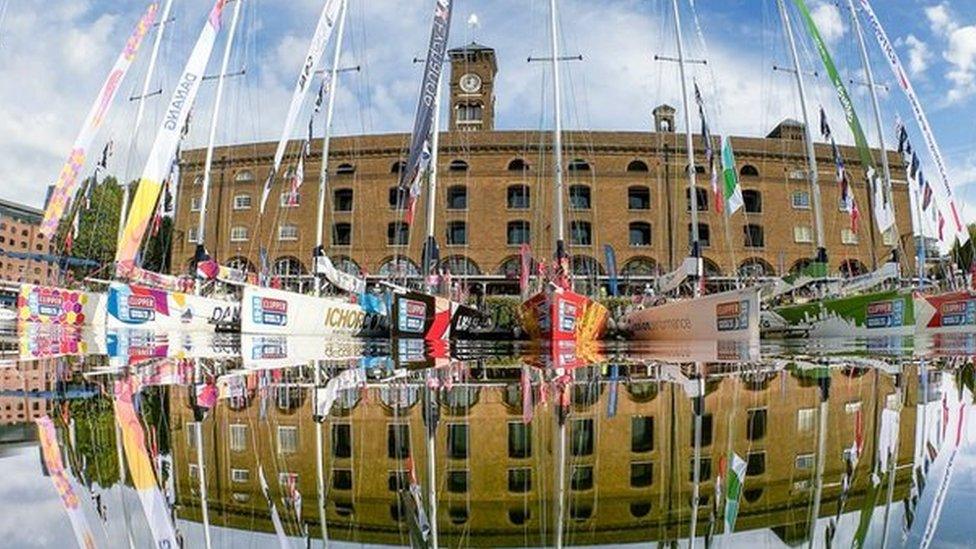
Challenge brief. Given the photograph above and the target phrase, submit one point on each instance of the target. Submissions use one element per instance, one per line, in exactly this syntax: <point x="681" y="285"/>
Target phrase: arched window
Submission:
<point x="640" y="233"/>
<point x="342" y="234"/>
<point x="580" y="233"/>
<point x="511" y="267"/>
<point x="585" y="265"/>
<point x="288" y="267"/>
<point x="399" y="266"/>
<point x="579" y="197"/>
<point x="704" y="235"/>
<point x="518" y="233"/>
<point x="748" y="170"/>
<point x="458" y="166"/>
<point x="345" y="169"/>
<point x="754" y="236"/>
<point x="579" y="165"/>
<point x="518" y="165"/>
<point x="752" y="201"/>
<point x="342" y="200"/>
<point x="699" y="169"/>
<point x="639" y="266"/>
<point x="800" y="265"/>
<point x="457" y="197"/>
<point x="460" y="265"/>
<point x="397" y="197"/>
<point x="638" y="198"/>
<point x="701" y="196"/>
<point x="852" y="267"/>
<point x="397" y="234"/>
<point x="244" y="176"/>
<point x="755" y="267"/>
<point x="518" y="197"/>
<point x="457" y="233"/>
<point x="398" y="167"/>
<point x="637" y="166"/>
<point x="711" y="268"/>
<point x="346" y="264"/>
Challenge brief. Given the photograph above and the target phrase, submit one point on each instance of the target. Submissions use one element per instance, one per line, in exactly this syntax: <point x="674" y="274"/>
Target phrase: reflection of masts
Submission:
<point x="122" y="474"/>
<point x="560" y="480"/>
<point x="821" y="448"/>
<point x="432" y="463"/>
<point x="699" y="403"/>
<point x="201" y="474"/>
<point x="892" y="459"/>
<point x="319" y="465"/>
<point x="936" y="513"/>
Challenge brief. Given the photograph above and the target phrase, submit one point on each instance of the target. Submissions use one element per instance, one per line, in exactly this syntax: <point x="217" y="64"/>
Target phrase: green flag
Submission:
<point x="737" y="475"/>
<point x="730" y="188"/>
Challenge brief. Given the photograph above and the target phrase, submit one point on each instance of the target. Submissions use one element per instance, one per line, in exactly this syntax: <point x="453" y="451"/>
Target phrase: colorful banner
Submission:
<point x="140" y="467"/>
<point x="731" y="190"/>
<point x="167" y="139"/>
<point x="959" y="228"/>
<point x="131" y="305"/>
<point x="57" y="306"/>
<point x="327" y="21"/>
<point x="127" y="270"/>
<point x="51" y="453"/>
<point x="68" y="178"/>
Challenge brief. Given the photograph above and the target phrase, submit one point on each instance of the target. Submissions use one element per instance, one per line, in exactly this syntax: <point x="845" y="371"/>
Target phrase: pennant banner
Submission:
<point x="161" y="156"/>
<point x="51" y="453"/>
<point x="732" y="192"/>
<point x="342" y="280"/>
<point x="68" y="177"/>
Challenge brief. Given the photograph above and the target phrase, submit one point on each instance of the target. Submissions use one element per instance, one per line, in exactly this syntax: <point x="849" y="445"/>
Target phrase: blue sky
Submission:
<point x="54" y="56"/>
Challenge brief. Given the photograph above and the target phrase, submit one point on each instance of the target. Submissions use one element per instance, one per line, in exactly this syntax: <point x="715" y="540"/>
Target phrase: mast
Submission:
<point x="689" y="146"/>
<point x="557" y="133"/>
<point x="431" y="243"/>
<point x="201" y="225"/>
<point x="319" y="465"/>
<point x="808" y="136"/>
<point x="327" y="139"/>
<point x="123" y="211"/>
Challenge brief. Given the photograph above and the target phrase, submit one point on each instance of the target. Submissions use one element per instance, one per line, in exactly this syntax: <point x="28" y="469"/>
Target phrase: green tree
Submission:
<point x="156" y="254"/>
<point x="963" y="256"/>
<point x="98" y="221"/>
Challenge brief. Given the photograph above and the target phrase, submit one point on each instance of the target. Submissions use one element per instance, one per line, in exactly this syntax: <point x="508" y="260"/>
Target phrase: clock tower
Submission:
<point x="473" y="71"/>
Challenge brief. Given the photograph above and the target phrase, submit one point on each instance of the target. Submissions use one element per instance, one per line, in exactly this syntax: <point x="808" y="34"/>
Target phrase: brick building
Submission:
<point x="627" y="189"/>
<point x="20" y="234"/>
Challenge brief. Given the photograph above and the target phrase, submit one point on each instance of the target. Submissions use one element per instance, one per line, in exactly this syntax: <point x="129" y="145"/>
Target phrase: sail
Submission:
<point x="905" y="84"/>
<point x="68" y="178"/>
<point x="344" y="281"/>
<point x="888" y="271"/>
<point x="327" y="21"/>
<point x="670" y="281"/>
<point x="51" y="453"/>
<point x="168" y="139"/>
<point x="419" y="155"/>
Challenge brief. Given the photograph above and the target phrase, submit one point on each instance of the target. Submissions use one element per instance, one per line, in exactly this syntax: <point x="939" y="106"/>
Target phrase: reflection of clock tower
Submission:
<point x="473" y="71"/>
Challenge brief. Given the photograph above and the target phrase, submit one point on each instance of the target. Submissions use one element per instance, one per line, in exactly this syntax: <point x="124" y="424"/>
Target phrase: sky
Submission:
<point x="54" y="57"/>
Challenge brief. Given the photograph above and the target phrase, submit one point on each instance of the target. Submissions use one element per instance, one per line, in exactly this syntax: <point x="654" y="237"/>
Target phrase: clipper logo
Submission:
<point x="272" y="312"/>
<point x="958" y="313"/>
<point x="272" y="348"/>
<point x="141" y="307"/>
<point x="884" y="314"/>
<point x="411" y="315"/>
<point x="732" y="316"/>
<point x="567" y="316"/>
<point x="49" y="305"/>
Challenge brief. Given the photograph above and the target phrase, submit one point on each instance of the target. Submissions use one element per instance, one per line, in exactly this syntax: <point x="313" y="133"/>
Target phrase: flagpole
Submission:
<point x="808" y="134"/>
<point x="431" y="243"/>
<point x="690" y="150"/>
<point x="326" y="142"/>
<point x="557" y="135"/>
<point x="140" y="110"/>
<point x="208" y="163"/>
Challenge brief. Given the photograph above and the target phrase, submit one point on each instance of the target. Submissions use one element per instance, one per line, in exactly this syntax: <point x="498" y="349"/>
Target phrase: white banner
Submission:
<point x="132" y="306"/>
<point x="280" y="312"/>
<point x="326" y="396"/>
<point x="344" y="281"/>
<point x="959" y="228"/>
<point x="320" y="39"/>
<point x="670" y="281"/>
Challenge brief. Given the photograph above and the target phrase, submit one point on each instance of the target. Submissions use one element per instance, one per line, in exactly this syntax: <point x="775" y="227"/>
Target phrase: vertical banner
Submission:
<point x="611" y="257"/>
<point x="737" y="474"/>
<point x="68" y="177"/>
<point x="51" y="452"/>
<point x="525" y="267"/>
<point x="141" y="469"/>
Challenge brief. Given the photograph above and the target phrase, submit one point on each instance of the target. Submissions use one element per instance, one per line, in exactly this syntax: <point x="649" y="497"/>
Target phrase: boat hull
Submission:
<point x="134" y="306"/>
<point x="433" y="318"/>
<point x="59" y="306"/>
<point x="945" y="313"/>
<point x="561" y="316"/>
<point x="877" y="314"/>
<point x="280" y="312"/>
<point x="726" y="316"/>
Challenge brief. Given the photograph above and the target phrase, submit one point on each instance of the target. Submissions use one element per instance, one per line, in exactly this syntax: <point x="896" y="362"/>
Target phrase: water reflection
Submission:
<point x="242" y="440"/>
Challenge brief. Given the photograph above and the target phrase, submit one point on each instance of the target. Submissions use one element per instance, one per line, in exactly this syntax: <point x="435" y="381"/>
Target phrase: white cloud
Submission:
<point x="961" y="54"/>
<point x="828" y="18"/>
<point x="919" y="55"/>
<point x="940" y="18"/>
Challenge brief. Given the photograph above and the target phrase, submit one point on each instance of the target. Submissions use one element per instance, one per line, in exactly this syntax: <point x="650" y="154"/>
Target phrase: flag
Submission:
<point x="846" y="194"/>
<point x="320" y="96"/>
<point x="733" y="490"/>
<point x="709" y="153"/>
<point x="106" y="153"/>
<point x="926" y="194"/>
<point x="732" y="190"/>
<point x="415" y="187"/>
<point x="611" y="257"/>
<point x="941" y="227"/>
<point x="525" y="265"/>
<point x="296" y="181"/>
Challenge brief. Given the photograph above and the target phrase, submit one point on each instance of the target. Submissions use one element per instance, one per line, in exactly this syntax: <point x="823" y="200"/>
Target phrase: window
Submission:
<point x="888" y="238"/>
<point x="469" y="113"/>
<point x="802" y="234"/>
<point x="345" y="169"/>
<point x="398" y="167"/>
<point x="756" y="463"/>
<point x="398" y="441"/>
<point x="801" y="200"/>
<point x="804" y="461"/>
<point x="193" y="235"/>
<point x="457" y="482"/>
<point x="754" y="237"/>
<point x="518" y="197"/>
<point x="752" y="201"/>
<point x="457" y="198"/>
<point x="341" y="440"/>
<point x="342" y="200"/>
<point x="397" y="234"/>
<point x="244" y="176"/>
<point x="520" y="480"/>
<point x="701" y="196"/>
<point x="805" y="420"/>
<point x="342" y="479"/>
<point x="457" y="441"/>
<point x="398" y="480"/>
<point x="290" y="199"/>
<point x="397" y="197"/>
<point x="704" y="469"/>
<point x="341" y="234"/>
<point x="748" y="170"/>
<point x="287" y="439"/>
<point x="641" y="434"/>
<point x="458" y="515"/>
<point x="580" y="511"/>
<point x="288" y="232"/>
<point x="579" y="197"/>
<point x="848" y="237"/>
<point x="756" y="424"/>
<point x="518" y="165"/>
<point x="238" y="234"/>
<point x="581" y="478"/>
<point x="195" y="204"/>
<point x="519" y="440"/>
<point x="242" y="202"/>
<point x="637" y="166"/>
<point x="580" y="233"/>
<point x="704" y="235"/>
<point x="238" y="437"/>
<point x="518" y="233"/>
<point x="579" y="165"/>
<point x="581" y="437"/>
<point x="457" y="166"/>
<point x="194" y="471"/>
<point x="638" y="198"/>
<point x="519" y="517"/>
<point x="640" y="234"/>
<point x="457" y="233"/>
<point x="641" y="475"/>
<point x="640" y="509"/>
<point x="706" y="430"/>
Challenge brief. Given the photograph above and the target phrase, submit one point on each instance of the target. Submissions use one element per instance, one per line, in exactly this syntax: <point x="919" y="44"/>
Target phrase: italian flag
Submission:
<point x="730" y="187"/>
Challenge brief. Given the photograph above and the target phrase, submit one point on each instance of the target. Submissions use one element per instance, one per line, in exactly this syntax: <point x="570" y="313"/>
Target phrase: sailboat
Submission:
<point x="556" y="314"/>
<point x="728" y="316"/>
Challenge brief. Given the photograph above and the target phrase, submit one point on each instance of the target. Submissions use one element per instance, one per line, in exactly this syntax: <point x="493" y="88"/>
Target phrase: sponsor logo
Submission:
<point x="958" y="313"/>
<point x="140" y="308"/>
<point x="344" y="319"/>
<point x="141" y="301"/>
<point x="732" y="316"/>
<point x="567" y="316"/>
<point x="49" y="305"/>
<point x="884" y="314"/>
<point x="411" y="315"/>
<point x="271" y="312"/>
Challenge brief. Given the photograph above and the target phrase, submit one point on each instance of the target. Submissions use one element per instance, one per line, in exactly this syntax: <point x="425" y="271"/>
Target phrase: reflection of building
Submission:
<point x="24" y="377"/>
<point x="627" y="189"/>
<point x="628" y="472"/>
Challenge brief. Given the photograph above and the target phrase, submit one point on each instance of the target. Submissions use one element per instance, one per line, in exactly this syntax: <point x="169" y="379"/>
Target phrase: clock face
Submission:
<point x="470" y="83"/>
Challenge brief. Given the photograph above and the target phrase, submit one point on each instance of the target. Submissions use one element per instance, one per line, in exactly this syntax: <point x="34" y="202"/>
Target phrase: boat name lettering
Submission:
<point x="173" y="114"/>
